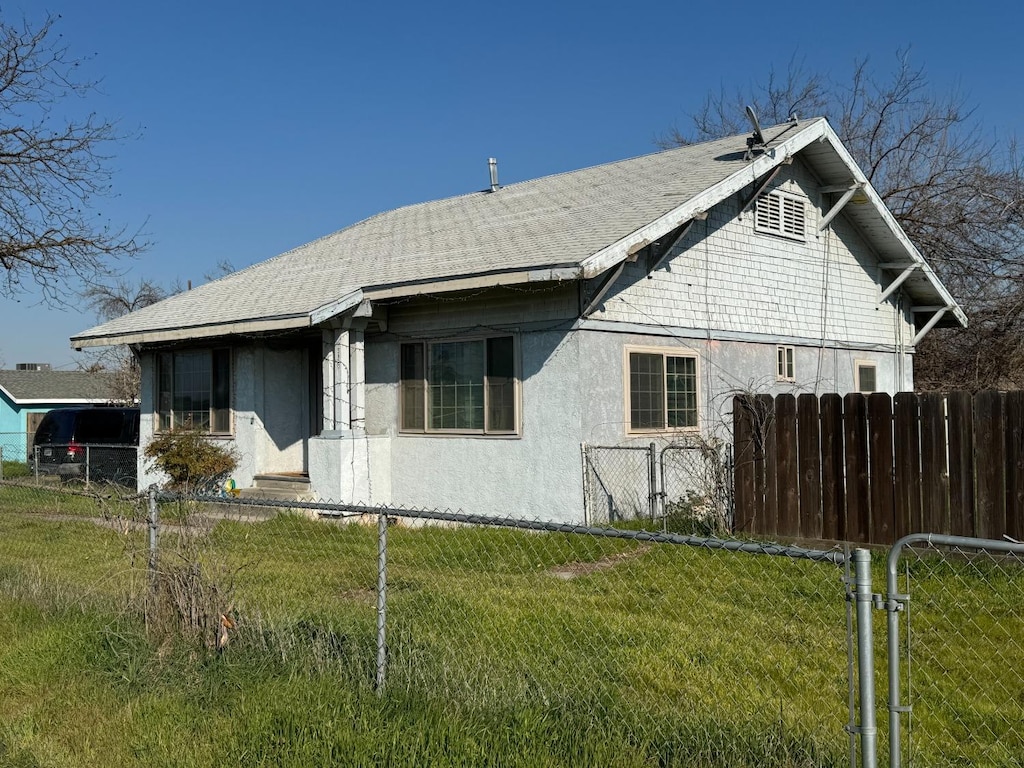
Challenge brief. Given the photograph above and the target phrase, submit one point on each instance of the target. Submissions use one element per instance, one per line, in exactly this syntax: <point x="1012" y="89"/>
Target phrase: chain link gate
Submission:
<point x="955" y="610"/>
<point x="695" y="494"/>
<point x="619" y="483"/>
<point x="687" y="484"/>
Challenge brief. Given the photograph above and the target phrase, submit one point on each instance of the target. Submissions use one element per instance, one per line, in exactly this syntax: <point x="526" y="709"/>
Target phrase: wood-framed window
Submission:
<point x="465" y="386"/>
<point x="785" y="364"/>
<point x="661" y="391"/>
<point x="867" y="376"/>
<point x="780" y="213"/>
<point x="193" y="390"/>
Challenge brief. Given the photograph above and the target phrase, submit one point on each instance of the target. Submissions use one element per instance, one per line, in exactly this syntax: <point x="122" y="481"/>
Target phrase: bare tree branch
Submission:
<point x="52" y="169"/>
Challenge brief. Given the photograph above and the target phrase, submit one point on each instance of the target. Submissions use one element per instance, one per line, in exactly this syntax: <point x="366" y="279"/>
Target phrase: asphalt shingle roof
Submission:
<point x="552" y="222"/>
<point x="56" y="386"/>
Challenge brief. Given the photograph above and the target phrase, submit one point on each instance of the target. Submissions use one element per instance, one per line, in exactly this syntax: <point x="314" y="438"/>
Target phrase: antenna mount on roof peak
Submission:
<point x="755" y="140"/>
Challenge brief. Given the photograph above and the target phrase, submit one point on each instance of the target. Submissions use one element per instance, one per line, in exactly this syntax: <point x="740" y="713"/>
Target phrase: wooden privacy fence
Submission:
<point x="873" y="468"/>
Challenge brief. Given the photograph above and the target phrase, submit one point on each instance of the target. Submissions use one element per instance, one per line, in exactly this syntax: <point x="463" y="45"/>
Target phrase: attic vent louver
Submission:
<point x="781" y="214"/>
<point x="492" y="164"/>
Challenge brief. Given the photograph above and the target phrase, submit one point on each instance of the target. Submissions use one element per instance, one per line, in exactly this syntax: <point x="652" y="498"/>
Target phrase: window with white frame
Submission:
<point x="779" y="213"/>
<point x="867" y="376"/>
<point x="465" y="386"/>
<point x="785" y="369"/>
<point x="662" y="390"/>
<point x="193" y="390"/>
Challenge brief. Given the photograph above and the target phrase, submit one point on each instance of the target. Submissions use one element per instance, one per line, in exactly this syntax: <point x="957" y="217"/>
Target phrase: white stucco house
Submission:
<point x="457" y="353"/>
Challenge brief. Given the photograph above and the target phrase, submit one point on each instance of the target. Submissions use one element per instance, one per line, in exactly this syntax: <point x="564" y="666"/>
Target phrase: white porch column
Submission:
<point x="338" y="390"/>
<point x="327" y="377"/>
<point x="344" y="380"/>
<point x="357" y="381"/>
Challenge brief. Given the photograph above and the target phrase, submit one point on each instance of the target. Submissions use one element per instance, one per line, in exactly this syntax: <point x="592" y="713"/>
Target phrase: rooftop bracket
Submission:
<point x="939" y="312"/>
<point x="840" y="204"/>
<point x="907" y="272"/>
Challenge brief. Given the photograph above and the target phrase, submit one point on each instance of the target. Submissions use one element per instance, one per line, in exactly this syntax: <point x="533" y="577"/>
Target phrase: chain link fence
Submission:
<point x="85" y="464"/>
<point x="15" y="455"/>
<point x="958" y="648"/>
<point x="679" y="649"/>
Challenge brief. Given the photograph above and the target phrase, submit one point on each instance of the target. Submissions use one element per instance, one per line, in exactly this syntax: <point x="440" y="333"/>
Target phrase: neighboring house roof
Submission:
<point x="56" y="387"/>
<point x="564" y="227"/>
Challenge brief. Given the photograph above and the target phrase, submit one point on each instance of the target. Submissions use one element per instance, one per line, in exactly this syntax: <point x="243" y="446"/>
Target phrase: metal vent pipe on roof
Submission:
<point x="492" y="163"/>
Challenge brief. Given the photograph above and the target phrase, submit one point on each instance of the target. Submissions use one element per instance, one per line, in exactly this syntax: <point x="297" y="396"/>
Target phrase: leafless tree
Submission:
<point x="120" y="297"/>
<point x="954" y="187"/>
<point x="52" y="168"/>
<point x="110" y="301"/>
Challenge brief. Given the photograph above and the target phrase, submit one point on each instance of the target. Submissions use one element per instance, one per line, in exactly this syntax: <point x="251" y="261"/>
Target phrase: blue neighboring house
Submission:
<point x="26" y="395"/>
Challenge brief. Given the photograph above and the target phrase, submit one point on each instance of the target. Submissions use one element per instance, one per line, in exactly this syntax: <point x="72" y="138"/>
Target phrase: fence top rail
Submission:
<point x="942" y="540"/>
<point x="646" y="447"/>
<point x="125" y="446"/>
<point x="834" y="557"/>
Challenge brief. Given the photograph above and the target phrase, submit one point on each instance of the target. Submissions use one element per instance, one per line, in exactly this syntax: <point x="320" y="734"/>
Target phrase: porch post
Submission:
<point x="357" y="381"/>
<point x="341" y="380"/>
<point x="327" y="377"/>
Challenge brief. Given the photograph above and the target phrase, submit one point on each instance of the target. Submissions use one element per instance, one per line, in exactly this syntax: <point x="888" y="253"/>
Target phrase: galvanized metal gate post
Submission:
<point x="153" y="525"/>
<point x="865" y="659"/>
<point x="652" y="481"/>
<point x="382" y="597"/>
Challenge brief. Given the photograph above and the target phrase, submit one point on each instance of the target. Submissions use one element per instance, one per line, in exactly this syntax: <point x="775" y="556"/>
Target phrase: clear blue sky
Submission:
<point x="265" y="125"/>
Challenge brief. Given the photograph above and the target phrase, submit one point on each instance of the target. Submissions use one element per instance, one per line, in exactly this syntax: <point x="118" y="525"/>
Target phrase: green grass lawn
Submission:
<point x="505" y="648"/>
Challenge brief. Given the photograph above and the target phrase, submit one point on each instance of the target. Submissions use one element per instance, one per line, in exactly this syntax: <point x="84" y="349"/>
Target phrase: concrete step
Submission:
<point x="291" y="483"/>
<point x="275" y="494"/>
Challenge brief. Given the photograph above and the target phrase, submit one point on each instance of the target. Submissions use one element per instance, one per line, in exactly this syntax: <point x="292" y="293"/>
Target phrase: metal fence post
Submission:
<point x="87" y="459"/>
<point x="153" y="524"/>
<point x="865" y="659"/>
<point x="382" y="590"/>
<point x="35" y="461"/>
<point x="1" y="462"/>
<point x="652" y="481"/>
<point x="588" y="515"/>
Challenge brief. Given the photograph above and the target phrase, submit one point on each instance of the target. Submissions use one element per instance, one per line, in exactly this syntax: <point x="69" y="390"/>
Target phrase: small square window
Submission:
<point x="867" y="377"/>
<point x="785" y="370"/>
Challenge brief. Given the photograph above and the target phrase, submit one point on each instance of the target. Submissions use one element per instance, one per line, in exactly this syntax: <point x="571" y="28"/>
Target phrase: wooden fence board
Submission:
<point x="770" y="517"/>
<point x="934" y="477"/>
<point x="907" y="463"/>
<point x="858" y="489"/>
<point x="809" y="447"/>
<point x="880" y="458"/>
<point x="990" y="501"/>
<point x="787" y="468"/>
<point x="1014" y="417"/>
<point x="833" y="486"/>
<point x="744" y="486"/>
<point x="960" y="433"/>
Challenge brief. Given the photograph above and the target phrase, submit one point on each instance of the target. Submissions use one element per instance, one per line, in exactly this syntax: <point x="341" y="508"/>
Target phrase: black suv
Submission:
<point x="98" y="444"/>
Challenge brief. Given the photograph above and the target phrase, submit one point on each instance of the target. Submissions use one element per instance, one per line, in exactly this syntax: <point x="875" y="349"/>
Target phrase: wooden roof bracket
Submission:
<point x="761" y="186"/>
<point x="654" y="262"/>
<point x="610" y="277"/>
<point x="840" y="204"/>
<point x="939" y="312"/>
<point x="907" y="272"/>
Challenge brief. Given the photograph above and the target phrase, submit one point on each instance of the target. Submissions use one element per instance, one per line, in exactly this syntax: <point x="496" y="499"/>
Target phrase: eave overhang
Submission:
<point x="329" y="312"/>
